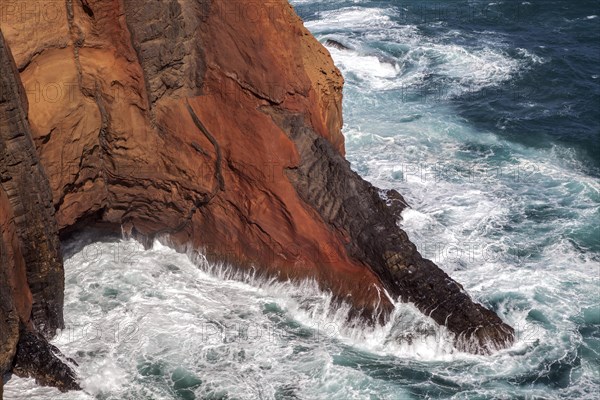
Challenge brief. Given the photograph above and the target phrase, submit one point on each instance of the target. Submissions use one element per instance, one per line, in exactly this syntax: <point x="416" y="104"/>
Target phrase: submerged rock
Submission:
<point x="336" y="44"/>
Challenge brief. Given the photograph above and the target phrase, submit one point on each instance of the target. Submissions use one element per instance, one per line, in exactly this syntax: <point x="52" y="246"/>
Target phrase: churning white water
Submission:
<point x="152" y="324"/>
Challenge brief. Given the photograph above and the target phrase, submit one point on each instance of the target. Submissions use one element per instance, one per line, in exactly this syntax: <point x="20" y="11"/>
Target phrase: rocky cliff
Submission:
<point x="214" y="125"/>
<point x="31" y="270"/>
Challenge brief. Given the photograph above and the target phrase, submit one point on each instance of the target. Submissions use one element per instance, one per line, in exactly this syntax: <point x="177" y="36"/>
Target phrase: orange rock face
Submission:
<point x="215" y="125"/>
<point x="108" y="97"/>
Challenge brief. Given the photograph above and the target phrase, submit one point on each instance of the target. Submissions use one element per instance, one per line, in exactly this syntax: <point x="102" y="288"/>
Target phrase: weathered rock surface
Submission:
<point x="36" y="358"/>
<point x="352" y="205"/>
<point x="217" y="126"/>
<point x="31" y="270"/>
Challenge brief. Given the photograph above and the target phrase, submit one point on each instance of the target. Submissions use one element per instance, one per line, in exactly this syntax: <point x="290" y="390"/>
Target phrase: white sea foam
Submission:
<point x="479" y="219"/>
<point x="501" y="218"/>
<point x="458" y="68"/>
<point x="370" y="69"/>
<point x="355" y="18"/>
<point x="136" y="320"/>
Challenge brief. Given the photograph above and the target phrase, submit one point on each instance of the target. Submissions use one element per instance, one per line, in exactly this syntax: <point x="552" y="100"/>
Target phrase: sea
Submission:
<point x="486" y="117"/>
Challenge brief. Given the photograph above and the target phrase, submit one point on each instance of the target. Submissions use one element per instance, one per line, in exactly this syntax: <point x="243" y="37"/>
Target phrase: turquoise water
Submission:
<point x="484" y="116"/>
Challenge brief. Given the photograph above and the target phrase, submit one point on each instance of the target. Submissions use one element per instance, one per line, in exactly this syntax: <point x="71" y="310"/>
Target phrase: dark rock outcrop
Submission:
<point x="356" y="209"/>
<point x="31" y="270"/>
<point x="213" y="125"/>
<point x="36" y="358"/>
<point x="28" y="202"/>
<point x="336" y="44"/>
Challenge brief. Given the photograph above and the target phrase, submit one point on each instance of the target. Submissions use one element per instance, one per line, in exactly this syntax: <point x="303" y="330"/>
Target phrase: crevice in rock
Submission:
<point x="213" y="141"/>
<point x="253" y="91"/>
<point x="86" y="7"/>
<point x="204" y="199"/>
<point x="76" y="38"/>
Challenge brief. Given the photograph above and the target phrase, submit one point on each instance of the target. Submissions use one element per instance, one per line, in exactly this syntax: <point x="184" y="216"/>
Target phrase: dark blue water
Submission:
<point x="556" y="102"/>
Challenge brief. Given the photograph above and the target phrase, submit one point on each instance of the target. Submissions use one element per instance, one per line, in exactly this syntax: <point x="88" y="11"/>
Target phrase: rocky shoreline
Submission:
<point x="206" y="125"/>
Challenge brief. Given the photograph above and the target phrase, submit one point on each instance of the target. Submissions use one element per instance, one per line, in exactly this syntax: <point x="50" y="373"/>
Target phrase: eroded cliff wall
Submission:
<point x="216" y="125"/>
<point x="115" y="89"/>
<point x="31" y="270"/>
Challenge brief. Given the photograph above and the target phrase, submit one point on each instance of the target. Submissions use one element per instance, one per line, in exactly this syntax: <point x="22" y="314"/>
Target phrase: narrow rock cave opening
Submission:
<point x="94" y="223"/>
